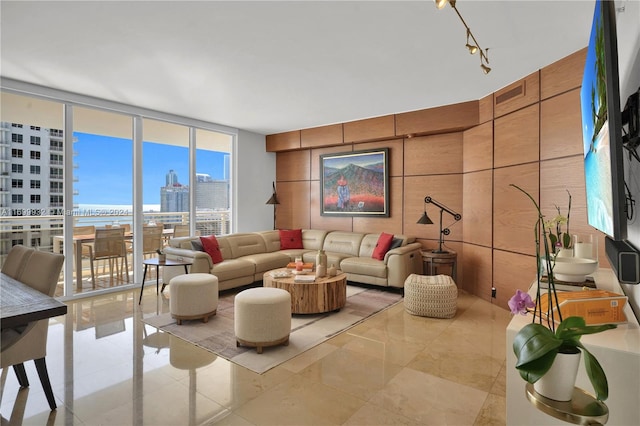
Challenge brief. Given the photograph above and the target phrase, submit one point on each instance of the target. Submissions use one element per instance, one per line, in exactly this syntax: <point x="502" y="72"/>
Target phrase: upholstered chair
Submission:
<point x="41" y="272"/>
<point x="16" y="260"/>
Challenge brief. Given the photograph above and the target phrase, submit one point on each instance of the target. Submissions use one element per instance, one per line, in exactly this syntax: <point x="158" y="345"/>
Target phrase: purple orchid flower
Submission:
<point x="520" y="302"/>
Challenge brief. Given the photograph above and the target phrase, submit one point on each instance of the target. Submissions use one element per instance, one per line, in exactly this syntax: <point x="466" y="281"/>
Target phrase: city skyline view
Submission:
<point x="105" y="174"/>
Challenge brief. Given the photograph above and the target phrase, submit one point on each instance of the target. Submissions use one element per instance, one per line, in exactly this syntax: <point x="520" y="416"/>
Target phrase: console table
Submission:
<point x="618" y="351"/>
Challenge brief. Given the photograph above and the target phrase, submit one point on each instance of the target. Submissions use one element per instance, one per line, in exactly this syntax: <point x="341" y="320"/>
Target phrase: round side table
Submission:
<point x="432" y="261"/>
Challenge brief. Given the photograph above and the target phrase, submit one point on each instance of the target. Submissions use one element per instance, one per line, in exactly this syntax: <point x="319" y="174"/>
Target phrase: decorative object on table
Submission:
<point x="321" y="264"/>
<point x="355" y="183"/>
<point x="332" y="271"/>
<point x="560" y="240"/>
<point x="299" y="264"/>
<point x="161" y="256"/>
<point x="273" y="201"/>
<point x="536" y="345"/>
<point x="425" y="220"/>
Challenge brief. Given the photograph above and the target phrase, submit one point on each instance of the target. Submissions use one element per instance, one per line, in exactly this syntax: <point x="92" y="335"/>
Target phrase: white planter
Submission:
<point x="560" y="380"/>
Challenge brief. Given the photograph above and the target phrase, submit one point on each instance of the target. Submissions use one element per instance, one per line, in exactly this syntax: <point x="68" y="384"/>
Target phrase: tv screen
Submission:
<point x="602" y="127"/>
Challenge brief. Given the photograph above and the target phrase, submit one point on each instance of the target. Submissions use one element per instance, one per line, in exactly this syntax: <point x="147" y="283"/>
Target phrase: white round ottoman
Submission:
<point x="432" y="296"/>
<point x="193" y="296"/>
<point x="262" y="317"/>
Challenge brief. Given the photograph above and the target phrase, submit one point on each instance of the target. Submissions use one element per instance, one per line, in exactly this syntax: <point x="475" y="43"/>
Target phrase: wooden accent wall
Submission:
<point x="466" y="156"/>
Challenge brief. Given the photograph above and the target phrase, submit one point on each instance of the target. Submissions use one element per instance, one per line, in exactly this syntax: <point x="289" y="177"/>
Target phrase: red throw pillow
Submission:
<point x="290" y="239"/>
<point x="212" y="248"/>
<point x="382" y="246"/>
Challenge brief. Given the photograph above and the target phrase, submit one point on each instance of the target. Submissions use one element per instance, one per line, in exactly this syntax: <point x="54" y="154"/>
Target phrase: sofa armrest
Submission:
<point x="402" y="262"/>
<point x="201" y="261"/>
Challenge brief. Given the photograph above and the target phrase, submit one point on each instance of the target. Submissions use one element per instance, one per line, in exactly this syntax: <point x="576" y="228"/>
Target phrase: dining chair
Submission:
<point x="109" y="246"/>
<point x="41" y="272"/>
<point x="181" y="230"/>
<point x="151" y="239"/>
<point x="16" y="260"/>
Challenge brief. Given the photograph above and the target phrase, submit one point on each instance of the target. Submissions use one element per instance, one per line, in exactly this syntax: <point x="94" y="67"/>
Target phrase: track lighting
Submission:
<point x="472" y="48"/>
<point x="475" y="47"/>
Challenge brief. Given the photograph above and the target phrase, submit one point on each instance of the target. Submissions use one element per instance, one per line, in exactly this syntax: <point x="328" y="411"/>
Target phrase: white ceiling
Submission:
<point x="274" y="66"/>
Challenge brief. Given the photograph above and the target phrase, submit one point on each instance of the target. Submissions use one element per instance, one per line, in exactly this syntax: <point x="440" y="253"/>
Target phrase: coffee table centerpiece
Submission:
<point x="314" y="295"/>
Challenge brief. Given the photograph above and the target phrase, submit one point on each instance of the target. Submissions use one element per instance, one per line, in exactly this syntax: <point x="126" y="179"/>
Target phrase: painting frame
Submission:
<point x="355" y="183"/>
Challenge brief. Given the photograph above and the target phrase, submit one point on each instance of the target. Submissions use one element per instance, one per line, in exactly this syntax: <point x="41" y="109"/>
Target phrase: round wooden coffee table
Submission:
<point x="322" y="295"/>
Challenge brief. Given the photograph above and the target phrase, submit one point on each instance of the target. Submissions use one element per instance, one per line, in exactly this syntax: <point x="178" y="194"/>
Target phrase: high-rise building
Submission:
<point x="31" y="182"/>
<point x="211" y="194"/>
<point x="174" y="197"/>
<point x="172" y="178"/>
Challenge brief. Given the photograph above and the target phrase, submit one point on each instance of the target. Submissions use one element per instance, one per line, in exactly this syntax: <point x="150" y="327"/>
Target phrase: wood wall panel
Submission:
<point x="485" y="107"/>
<point x="477" y="202"/>
<point x="391" y="224"/>
<point x="283" y="141"/>
<point x="477" y="269"/>
<point x="321" y="136"/>
<point x="434" y="154"/>
<point x="293" y="210"/>
<point x="563" y="75"/>
<point x="477" y="148"/>
<point x="315" y="157"/>
<point x="511" y="272"/>
<point x="370" y="129"/>
<point x="517" y="95"/>
<point x="447" y="118"/>
<point x="561" y="126"/>
<point x="396" y="154"/>
<point x="516" y="137"/>
<point x="514" y="215"/>
<point x="326" y="222"/>
<point x="293" y="165"/>
<point x="445" y="189"/>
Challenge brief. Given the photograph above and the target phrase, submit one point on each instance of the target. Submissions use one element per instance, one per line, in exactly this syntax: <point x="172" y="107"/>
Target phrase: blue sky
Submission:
<point x="105" y="168"/>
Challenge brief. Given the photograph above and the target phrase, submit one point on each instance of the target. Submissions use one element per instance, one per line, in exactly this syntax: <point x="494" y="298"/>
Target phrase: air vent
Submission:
<point x="510" y="94"/>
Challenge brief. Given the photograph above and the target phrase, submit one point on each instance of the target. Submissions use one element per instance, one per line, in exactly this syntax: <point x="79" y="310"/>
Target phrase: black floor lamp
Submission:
<point x="273" y="201"/>
<point x="425" y="220"/>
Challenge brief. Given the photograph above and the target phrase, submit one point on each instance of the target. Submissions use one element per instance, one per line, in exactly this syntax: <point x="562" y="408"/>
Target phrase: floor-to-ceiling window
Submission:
<point x="77" y="163"/>
<point x="102" y="197"/>
<point x="213" y="182"/>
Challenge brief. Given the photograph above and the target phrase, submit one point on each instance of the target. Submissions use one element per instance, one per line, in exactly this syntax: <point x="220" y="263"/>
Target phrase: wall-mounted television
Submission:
<point x="602" y="127"/>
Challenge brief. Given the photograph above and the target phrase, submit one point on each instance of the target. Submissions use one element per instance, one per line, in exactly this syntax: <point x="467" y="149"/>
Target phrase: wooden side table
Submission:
<point x="433" y="261"/>
<point x="157" y="263"/>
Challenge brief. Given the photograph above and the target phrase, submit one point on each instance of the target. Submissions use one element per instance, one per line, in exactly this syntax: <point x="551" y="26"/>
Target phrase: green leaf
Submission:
<point x="535" y="347"/>
<point x="596" y="375"/>
<point x="553" y="239"/>
<point x="574" y="327"/>
<point x="566" y="240"/>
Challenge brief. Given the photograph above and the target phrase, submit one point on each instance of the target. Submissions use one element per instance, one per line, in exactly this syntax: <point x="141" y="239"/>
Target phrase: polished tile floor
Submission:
<point x="109" y="368"/>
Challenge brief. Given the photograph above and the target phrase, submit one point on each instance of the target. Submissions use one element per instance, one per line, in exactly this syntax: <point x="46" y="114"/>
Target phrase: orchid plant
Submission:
<point x="559" y="239"/>
<point x="536" y="345"/>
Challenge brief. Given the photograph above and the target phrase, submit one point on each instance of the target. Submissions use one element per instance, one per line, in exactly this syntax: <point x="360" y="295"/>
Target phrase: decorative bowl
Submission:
<point x="573" y="269"/>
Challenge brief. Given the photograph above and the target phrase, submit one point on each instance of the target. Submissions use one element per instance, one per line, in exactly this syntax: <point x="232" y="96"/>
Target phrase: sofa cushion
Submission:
<point x="197" y="245"/>
<point x="364" y="266"/>
<point x="347" y="243"/>
<point x="397" y="242"/>
<point x="212" y="247"/>
<point x="232" y="269"/>
<point x="382" y="246"/>
<point x="290" y="239"/>
<point x="245" y="244"/>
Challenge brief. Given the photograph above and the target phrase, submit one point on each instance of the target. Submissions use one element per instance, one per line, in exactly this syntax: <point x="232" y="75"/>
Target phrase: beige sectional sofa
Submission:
<point x="247" y="256"/>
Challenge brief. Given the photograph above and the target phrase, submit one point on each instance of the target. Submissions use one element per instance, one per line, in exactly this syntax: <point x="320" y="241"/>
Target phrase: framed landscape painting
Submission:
<point x="355" y="183"/>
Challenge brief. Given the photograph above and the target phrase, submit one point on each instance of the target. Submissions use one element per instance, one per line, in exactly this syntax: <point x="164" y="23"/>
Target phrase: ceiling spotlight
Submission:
<point x="472" y="47"/>
<point x="442" y="3"/>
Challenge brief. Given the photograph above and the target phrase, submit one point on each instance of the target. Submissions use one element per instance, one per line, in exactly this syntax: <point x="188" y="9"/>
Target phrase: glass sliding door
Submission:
<point x="31" y="175"/>
<point x="165" y="179"/>
<point x="102" y="203"/>
<point x="213" y="182"/>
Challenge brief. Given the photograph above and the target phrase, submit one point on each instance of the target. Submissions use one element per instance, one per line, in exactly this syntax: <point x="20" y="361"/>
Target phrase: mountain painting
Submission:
<point x="355" y="183"/>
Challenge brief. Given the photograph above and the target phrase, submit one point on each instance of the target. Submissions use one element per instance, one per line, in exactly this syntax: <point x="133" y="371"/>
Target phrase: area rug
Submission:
<point x="307" y="331"/>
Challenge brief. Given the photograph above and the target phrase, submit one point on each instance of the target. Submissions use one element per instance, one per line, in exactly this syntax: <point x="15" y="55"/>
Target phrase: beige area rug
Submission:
<point x="307" y="331"/>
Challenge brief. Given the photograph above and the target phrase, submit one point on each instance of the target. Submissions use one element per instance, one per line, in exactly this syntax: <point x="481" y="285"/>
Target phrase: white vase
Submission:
<point x="558" y="383"/>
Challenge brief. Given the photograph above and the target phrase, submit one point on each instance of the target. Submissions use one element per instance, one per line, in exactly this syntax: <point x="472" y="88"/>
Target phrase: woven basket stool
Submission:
<point x="432" y="296"/>
<point x="193" y="296"/>
<point x="262" y="317"/>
